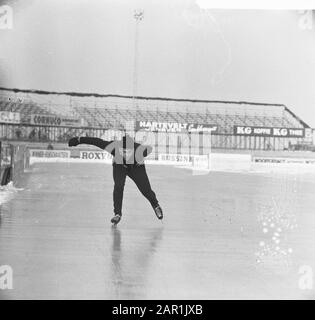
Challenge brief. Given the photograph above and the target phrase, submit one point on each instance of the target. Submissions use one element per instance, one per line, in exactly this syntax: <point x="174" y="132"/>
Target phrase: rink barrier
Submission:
<point x="282" y="160"/>
<point x="230" y="162"/>
<point x="96" y="156"/>
<point x="42" y="155"/>
<point x="215" y="161"/>
<point x="174" y="159"/>
<point x="283" y="165"/>
<point x="211" y="161"/>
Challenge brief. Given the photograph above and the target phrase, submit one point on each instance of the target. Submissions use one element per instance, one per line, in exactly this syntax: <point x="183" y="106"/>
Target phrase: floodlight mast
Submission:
<point x="138" y="16"/>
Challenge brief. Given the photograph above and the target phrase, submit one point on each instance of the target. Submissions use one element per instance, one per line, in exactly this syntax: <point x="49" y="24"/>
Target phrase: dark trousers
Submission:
<point x="139" y="175"/>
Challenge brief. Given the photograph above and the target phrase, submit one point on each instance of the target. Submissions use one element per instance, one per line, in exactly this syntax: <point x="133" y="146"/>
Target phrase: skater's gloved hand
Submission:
<point x="74" y="141"/>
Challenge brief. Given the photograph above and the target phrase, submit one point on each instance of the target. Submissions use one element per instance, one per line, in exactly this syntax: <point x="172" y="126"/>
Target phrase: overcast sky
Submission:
<point x="184" y="52"/>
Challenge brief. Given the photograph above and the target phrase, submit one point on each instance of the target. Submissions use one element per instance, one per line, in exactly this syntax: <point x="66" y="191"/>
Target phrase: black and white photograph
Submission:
<point x="157" y="150"/>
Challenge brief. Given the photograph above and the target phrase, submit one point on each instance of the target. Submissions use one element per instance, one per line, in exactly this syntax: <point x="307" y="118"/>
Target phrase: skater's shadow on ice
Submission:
<point x="132" y="258"/>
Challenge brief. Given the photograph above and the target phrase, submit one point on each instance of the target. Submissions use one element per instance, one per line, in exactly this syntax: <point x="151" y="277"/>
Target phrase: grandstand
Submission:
<point x="94" y="114"/>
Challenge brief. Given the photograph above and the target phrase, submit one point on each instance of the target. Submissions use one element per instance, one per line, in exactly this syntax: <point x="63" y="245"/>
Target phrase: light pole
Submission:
<point x="138" y="16"/>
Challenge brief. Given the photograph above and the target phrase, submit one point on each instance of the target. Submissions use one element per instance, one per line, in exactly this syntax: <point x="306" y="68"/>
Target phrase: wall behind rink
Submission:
<point x="213" y="161"/>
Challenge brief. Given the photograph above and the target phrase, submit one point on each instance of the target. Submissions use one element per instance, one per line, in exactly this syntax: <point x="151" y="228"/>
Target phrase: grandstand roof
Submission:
<point x="97" y="95"/>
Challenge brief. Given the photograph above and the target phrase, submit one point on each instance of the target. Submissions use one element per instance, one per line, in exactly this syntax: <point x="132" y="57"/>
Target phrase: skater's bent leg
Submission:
<point x="140" y="177"/>
<point x="119" y="175"/>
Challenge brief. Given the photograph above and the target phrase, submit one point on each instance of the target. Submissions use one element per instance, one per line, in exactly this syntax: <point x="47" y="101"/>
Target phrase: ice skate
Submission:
<point x="115" y="220"/>
<point x="158" y="212"/>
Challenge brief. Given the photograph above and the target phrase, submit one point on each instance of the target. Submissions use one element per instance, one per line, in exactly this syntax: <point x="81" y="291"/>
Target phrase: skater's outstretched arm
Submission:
<point x="100" y="143"/>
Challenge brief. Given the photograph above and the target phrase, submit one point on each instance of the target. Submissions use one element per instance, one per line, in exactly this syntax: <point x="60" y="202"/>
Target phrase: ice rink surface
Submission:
<point x="224" y="236"/>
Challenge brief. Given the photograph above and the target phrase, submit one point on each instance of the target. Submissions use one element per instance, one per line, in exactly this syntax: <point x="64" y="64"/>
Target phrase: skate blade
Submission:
<point x="115" y="222"/>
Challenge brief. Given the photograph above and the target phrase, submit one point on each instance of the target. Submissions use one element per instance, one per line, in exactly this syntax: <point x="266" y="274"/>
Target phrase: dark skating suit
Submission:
<point x="128" y="160"/>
